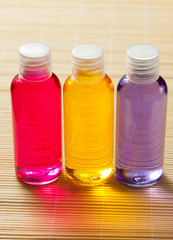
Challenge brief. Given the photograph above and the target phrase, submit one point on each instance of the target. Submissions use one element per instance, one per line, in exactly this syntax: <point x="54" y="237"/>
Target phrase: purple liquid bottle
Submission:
<point x="141" y="119"/>
<point x="36" y="112"/>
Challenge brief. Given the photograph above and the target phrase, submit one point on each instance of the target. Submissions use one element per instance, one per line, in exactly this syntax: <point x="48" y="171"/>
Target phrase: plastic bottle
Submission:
<point x="141" y="118"/>
<point x="88" y="117"/>
<point x="36" y="112"/>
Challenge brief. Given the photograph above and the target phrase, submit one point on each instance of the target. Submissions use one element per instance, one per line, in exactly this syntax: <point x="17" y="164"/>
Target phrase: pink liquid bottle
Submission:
<point x="36" y="113"/>
<point x="141" y="118"/>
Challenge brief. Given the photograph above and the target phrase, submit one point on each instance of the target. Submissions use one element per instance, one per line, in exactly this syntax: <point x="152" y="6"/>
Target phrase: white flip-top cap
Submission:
<point x="35" y="60"/>
<point x="87" y="51"/>
<point x="34" y="50"/>
<point x="88" y="58"/>
<point x="143" y="63"/>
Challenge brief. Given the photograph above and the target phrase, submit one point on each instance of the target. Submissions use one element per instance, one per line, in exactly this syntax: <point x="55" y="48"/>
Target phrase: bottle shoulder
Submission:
<point x="109" y="82"/>
<point x="68" y="82"/>
<point x="72" y="83"/>
<point x="162" y="83"/>
<point x="56" y="80"/>
<point x="16" y="82"/>
<point x="127" y="86"/>
<point x="19" y="82"/>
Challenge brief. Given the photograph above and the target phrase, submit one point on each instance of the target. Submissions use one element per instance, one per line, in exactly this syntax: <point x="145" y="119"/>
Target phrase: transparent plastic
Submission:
<point x="35" y="61"/>
<point x="140" y="130"/>
<point x="88" y="121"/>
<point x="36" y="112"/>
<point x="143" y="63"/>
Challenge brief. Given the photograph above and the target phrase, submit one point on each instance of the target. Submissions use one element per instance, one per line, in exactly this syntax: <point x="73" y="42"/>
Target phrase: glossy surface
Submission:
<point x="141" y="122"/>
<point x="63" y="210"/>
<point x="88" y="126"/>
<point x="36" y="109"/>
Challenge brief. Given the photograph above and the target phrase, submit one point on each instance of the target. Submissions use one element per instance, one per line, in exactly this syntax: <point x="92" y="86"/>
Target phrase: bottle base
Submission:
<point x="35" y="176"/>
<point x="139" y="178"/>
<point x="89" y="177"/>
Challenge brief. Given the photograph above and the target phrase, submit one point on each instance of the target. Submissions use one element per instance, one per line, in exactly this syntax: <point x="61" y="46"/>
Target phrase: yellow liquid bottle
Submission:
<point x="88" y="117"/>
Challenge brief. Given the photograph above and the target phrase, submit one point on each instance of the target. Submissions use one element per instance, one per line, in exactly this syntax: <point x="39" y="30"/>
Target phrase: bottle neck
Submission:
<point x="37" y="73"/>
<point x="35" y="61"/>
<point x="142" y="63"/>
<point x="88" y="75"/>
<point x="144" y="76"/>
<point x="87" y="63"/>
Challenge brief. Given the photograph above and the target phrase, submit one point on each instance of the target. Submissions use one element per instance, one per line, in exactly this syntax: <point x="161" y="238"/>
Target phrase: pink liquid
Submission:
<point x="36" y="111"/>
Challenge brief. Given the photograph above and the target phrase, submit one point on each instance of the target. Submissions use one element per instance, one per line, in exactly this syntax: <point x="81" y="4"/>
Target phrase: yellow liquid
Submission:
<point x="88" y="129"/>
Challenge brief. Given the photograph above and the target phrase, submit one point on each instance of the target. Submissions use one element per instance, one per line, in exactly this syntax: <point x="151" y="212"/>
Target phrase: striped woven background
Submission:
<point x="62" y="210"/>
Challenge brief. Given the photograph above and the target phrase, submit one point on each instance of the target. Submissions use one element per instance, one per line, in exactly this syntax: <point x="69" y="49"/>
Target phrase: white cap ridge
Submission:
<point x="143" y="63"/>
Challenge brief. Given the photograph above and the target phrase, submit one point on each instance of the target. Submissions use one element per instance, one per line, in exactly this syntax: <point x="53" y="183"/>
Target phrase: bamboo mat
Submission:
<point x="62" y="210"/>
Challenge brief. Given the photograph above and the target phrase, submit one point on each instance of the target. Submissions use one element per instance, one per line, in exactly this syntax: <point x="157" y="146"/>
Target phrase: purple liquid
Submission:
<point x="36" y="110"/>
<point x="141" y="122"/>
